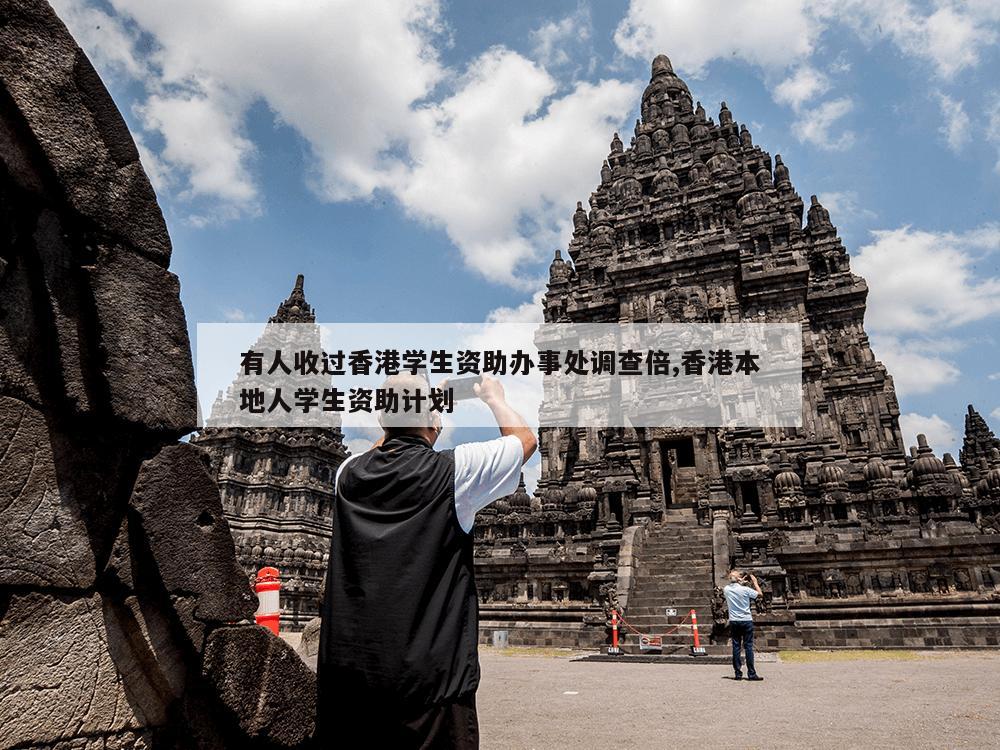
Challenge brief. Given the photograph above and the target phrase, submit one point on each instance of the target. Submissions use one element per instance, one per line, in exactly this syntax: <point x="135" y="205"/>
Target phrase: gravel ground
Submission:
<point x="894" y="700"/>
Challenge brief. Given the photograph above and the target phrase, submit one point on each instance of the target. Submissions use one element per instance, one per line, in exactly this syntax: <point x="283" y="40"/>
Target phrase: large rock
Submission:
<point x="57" y="678"/>
<point x="308" y="647"/>
<point x="42" y="299"/>
<point x="258" y="677"/>
<point x="119" y="584"/>
<point x="142" y="335"/>
<point x="177" y="507"/>
<point x="84" y="248"/>
<point x="46" y="542"/>
<point x="77" y="126"/>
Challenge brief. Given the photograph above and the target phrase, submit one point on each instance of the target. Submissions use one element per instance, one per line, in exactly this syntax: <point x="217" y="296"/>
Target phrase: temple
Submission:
<point x="858" y="542"/>
<point x="276" y="485"/>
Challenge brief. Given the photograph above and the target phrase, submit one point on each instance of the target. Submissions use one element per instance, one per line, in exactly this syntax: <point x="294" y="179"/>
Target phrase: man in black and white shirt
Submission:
<point x="398" y="658"/>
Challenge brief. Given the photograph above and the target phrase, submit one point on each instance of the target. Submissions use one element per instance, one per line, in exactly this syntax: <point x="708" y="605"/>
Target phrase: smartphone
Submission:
<point x="461" y="388"/>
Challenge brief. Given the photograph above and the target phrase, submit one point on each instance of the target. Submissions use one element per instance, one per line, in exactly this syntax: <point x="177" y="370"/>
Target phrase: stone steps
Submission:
<point x="678" y="551"/>
<point x="687" y="575"/>
<point x="674" y="570"/>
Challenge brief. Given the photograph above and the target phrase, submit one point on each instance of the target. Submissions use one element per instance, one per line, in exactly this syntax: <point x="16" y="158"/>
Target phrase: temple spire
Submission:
<point x="295" y="309"/>
<point x="978" y="443"/>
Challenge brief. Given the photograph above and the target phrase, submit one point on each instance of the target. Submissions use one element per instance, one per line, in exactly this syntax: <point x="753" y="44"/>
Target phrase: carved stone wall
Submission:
<point x="125" y="620"/>
<point x="693" y="222"/>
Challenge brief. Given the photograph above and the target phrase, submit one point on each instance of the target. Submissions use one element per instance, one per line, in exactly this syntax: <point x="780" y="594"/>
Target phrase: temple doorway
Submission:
<point x="615" y="509"/>
<point x="676" y="461"/>
<point x="751" y="497"/>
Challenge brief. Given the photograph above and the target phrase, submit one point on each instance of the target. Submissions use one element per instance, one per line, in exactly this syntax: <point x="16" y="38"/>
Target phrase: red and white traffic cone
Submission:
<point x="268" y="588"/>
<point x="697" y="649"/>
<point x="614" y="650"/>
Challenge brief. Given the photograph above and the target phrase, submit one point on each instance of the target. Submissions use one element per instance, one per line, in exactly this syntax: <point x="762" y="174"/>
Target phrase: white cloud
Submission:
<point x="803" y="85"/>
<point x="235" y="315"/>
<point x="107" y="40"/>
<point x="344" y="75"/>
<point x="921" y="282"/>
<point x="845" y="203"/>
<point x="553" y="41"/>
<point x="993" y="125"/>
<point x="159" y="174"/>
<point x="358" y="445"/>
<point x="993" y="376"/>
<point x="527" y="312"/>
<point x="941" y="436"/>
<point x="814" y="125"/>
<point x="769" y="33"/>
<point x="956" y="127"/>
<point x="951" y="37"/>
<point x="496" y="155"/>
<point x="915" y="365"/>
<point x="778" y="35"/>
<point x="995" y="413"/>
<point x="499" y="163"/>
<point x="202" y="139"/>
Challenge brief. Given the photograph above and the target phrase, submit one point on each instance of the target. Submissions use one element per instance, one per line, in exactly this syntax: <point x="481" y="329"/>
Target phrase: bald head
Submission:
<point x="424" y="423"/>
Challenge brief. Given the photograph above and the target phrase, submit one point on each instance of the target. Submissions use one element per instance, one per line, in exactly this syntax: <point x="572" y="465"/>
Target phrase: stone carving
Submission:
<point x="125" y="619"/>
<point x="796" y="505"/>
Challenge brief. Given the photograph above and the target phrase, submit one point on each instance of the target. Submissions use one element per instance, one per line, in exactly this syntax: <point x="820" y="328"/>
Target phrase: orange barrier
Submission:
<point x="614" y="633"/>
<point x="697" y="649"/>
<point x="268" y="588"/>
<point x="647" y="642"/>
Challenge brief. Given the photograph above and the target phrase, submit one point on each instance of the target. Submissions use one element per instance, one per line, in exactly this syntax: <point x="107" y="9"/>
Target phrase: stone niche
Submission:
<point x="125" y="621"/>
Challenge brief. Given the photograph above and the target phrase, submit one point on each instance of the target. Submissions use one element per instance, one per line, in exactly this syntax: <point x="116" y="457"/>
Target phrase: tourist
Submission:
<point x="738" y="597"/>
<point x="398" y="657"/>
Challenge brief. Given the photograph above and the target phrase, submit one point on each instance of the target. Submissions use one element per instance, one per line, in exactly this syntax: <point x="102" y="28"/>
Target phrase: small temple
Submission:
<point x="276" y="485"/>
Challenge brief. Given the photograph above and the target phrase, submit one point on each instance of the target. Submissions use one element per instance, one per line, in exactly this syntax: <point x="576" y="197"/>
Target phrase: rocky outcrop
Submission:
<point x="125" y="620"/>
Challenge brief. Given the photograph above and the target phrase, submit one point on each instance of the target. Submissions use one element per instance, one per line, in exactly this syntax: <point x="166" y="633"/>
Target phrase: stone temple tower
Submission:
<point x="693" y="222"/>
<point x="277" y="492"/>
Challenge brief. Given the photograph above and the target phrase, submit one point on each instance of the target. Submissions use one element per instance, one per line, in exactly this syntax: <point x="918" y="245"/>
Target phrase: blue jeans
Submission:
<point x="742" y="633"/>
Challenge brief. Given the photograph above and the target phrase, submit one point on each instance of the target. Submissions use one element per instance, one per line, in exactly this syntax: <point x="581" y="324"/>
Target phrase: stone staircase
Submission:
<point x="674" y="570"/>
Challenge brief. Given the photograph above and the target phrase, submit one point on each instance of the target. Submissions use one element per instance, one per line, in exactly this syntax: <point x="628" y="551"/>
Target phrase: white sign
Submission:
<point x="651" y="643"/>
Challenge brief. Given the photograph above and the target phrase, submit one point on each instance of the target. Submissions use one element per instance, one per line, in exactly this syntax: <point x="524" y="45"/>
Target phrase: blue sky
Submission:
<point x="421" y="160"/>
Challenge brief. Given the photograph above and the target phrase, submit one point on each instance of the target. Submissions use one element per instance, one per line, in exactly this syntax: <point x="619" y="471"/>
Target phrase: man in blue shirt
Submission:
<point x="738" y="597"/>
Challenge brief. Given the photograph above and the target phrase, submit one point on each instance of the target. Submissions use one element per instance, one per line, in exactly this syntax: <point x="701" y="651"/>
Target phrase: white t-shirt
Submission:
<point x="484" y="472"/>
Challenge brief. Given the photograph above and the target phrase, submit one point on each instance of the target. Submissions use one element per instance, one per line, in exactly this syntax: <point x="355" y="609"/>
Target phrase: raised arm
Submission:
<point x="756" y="586"/>
<point x="490" y="391"/>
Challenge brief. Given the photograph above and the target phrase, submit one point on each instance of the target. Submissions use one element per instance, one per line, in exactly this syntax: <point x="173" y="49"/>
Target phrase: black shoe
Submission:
<point x="738" y="677"/>
<point x="755" y="678"/>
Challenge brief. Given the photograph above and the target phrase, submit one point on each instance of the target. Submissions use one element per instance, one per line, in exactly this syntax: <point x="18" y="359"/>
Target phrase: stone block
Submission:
<point x="57" y="678"/>
<point x="176" y="505"/>
<point x="144" y="342"/>
<point x="133" y="361"/>
<point x="263" y="682"/>
<point x="46" y="542"/>
<point x="40" y="299"/>
<point x="309" y="644"/>
<point x="77" y="127"/>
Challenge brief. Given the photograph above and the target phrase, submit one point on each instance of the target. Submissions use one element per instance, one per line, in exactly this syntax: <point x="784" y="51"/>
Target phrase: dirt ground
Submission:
<point x="813" y="700"/>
